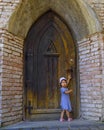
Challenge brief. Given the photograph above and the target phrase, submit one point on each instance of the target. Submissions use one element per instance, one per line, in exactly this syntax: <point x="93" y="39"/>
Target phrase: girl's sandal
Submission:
<point x="61" y="120"/>
<point x="70" y="119"/>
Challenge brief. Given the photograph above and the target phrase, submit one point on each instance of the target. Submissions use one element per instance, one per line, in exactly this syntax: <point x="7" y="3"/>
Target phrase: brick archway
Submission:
<point x="78" y="15"/>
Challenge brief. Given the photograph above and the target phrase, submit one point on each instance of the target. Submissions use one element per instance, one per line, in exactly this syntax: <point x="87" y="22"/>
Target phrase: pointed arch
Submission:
<point x="80" y="18"/>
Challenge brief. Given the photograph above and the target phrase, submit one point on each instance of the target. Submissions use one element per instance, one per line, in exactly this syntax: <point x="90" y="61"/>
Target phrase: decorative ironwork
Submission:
<point x="29" y="107"/>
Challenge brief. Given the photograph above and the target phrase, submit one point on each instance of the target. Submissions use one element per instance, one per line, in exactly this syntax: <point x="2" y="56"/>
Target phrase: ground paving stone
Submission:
<point x="83" y="128"/>
<point x="40" y="128"/>
<point x="64" y="128"/>
<point x="101" y="127"/>
<point x="74" y="128"/>
<point x="56" y="125"/>
<point x="53" y="128"/>
<point x="93" y="128"/>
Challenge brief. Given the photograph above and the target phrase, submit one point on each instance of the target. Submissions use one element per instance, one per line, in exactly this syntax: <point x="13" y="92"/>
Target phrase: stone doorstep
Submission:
<point x="53" y="125"/>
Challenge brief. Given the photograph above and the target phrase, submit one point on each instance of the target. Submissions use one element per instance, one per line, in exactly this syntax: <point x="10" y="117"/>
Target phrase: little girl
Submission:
<point x="65" y="98"/>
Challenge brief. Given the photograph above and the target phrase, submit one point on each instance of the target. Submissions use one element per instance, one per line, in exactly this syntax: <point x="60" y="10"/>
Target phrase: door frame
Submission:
<point x="76" y="71"/>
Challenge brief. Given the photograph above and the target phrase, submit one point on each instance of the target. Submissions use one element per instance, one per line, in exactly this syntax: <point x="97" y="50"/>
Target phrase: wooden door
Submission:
<point x="49" y="53"/>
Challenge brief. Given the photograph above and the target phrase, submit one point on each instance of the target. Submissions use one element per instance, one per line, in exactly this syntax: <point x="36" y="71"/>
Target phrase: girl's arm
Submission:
<point x="68" y="91"/>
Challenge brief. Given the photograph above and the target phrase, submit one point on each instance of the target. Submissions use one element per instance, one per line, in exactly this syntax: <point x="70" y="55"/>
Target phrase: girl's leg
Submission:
<point x="62" y="115"/>
<point x="68" y="115"/>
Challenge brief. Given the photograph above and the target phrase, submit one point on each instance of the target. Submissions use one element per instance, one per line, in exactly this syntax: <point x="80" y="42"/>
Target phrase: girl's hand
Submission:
<point x="69" y="77"/>
<point x="70" y="90"/>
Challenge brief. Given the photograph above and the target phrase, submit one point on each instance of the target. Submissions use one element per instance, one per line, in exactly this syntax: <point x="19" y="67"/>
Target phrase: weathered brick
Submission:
<point x="12" y="82"/>
<point x="91" y="76"/>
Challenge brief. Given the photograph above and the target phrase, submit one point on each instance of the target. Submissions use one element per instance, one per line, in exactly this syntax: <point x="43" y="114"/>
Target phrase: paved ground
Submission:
<point x="56" y="125"/>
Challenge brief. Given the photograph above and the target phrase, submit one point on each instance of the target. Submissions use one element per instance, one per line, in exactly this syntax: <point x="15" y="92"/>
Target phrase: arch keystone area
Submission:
<point x="79" y="17"/>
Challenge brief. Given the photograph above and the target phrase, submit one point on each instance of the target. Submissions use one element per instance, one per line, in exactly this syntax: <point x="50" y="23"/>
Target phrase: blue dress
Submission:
<point x="65" y="100"/>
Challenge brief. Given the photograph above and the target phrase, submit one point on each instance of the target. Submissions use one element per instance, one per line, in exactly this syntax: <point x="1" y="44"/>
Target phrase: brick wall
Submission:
<point x="90" y="64"/>
<point x="101" y="42"/>
<point x="7" y="7"/>
<point x="12" y="79"/>
<point x="98" y="7"/>
<point x="1" y="63"/>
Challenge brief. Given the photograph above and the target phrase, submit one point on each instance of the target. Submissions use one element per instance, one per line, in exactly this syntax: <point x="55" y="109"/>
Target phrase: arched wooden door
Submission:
<point x="49" y="53"/>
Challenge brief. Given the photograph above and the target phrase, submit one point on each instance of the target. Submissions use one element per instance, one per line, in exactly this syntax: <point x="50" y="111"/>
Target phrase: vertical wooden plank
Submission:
<point x="42" y="82"/>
